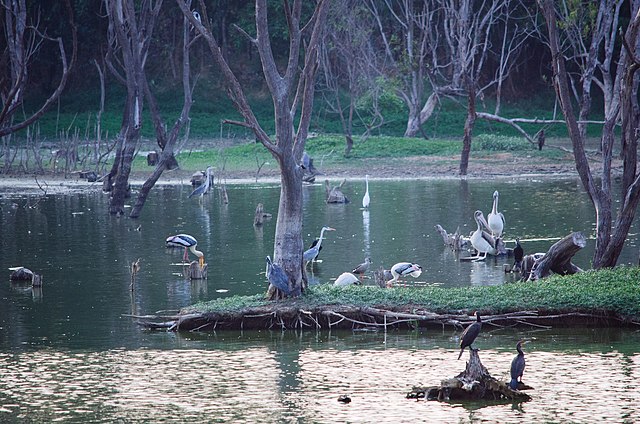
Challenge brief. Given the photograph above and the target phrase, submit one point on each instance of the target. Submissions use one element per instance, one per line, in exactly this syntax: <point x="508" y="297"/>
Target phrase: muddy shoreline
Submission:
<point x="500" y="165"/>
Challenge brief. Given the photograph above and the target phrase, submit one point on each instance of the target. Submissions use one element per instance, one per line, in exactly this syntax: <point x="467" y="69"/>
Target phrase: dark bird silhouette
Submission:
<point x="518" y="254"/>
<point x="540" y="139"/>
<point x="470" y="333"/>
<point x="517" y="366"/>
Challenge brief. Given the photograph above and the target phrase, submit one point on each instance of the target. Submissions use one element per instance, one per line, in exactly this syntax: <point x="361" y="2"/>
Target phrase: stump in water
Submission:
<point x="195" y="272"/>
<point x="335" y="194"/>
<point x="455" y="241"/>
<point x="25" y="274"/>
<point x="474" y="383"/>
<point x="152" y="158"/>
<point x="260" y="215"/>
<point x="557" y="260"/>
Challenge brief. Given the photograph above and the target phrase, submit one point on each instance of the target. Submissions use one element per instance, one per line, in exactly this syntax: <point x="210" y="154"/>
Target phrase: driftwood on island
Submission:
<point x="299" y="316"/>
<point x="474" y="383"/>
<point x="557" y="260"/>
<point x="458" y="242"/>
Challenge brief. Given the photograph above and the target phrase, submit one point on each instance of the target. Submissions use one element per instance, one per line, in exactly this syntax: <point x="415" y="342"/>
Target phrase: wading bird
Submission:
<point x="277" y="277"/>
<point x="361" y="269"/>
<point x="203" y="188"/>
<point x="402" y="269"/>
<point x="518" y="254"/>
<point x="311" y="254"/>
<point x="188" y="242"/>
<point x="495" y="219"/>
<point x="480" y="240"/>
<point x="346" y="279"/>
<point x="366" y="199"/>
<point x="470" y="333"/>
<point x="517" y="366"/>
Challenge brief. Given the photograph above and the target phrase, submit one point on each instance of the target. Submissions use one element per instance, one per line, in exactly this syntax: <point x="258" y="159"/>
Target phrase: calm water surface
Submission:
<point x="67" y="352"/>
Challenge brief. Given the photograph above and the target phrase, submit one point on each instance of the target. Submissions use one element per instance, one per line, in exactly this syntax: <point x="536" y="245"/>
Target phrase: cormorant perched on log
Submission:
<point x="470" y="333"/>
<point x="518" y="254"/>
<point x="517" y="366"/>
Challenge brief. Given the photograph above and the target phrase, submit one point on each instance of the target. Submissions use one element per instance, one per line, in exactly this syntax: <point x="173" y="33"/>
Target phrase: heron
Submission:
<point x="518" y="254"/>
<point x="277" y="277"/>
<point x="203" y="188"/>
<point x="346" y="279"/>
<point x="495" y="219"/>
<point x="480" y="240"/>
<point x="470" y="333"/>
<point x="366" y="199"/>
<point x="517" y="366"/>
<point x="362" y="268"/>
<point x="188" y="242"/>
<point x="403" y="269"/>
<point x="311" y="254"/>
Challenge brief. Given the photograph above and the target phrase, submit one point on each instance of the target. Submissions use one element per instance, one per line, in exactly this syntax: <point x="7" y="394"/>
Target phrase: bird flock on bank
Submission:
<point x="483" y="240"/>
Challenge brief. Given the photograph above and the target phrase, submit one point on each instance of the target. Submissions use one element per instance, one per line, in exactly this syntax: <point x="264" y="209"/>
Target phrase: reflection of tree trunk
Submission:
<point x="468" y="129"/>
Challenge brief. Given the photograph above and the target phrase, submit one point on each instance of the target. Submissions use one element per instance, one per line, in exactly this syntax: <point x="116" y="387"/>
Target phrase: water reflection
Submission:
<point x="258" y="377"/>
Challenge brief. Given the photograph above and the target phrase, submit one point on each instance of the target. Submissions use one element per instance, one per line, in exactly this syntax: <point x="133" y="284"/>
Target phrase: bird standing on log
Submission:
<point x="366" y="199"/>
<point x="402" y="269"/>
<point x="480" y="240"/>
<point x="188" y="242"/>
<point x="470" y="333"/>
<point x="517" y="366"/>
<point x="311" y="254"/>
<point x="495" y="219"/>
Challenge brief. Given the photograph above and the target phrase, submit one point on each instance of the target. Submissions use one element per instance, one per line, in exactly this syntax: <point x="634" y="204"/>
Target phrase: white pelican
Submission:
<point x="188" y="242"/>
<point x="311" y="254"/>
<point x="366" y="199"/>
<point x="480" y="240"/>
<point x="402" y="269"/>
<point x="346" y="279"/>
<point x="495" y="219"/>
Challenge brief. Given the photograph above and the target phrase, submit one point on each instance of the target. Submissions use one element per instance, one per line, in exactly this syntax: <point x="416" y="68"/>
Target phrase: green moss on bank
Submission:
<point x="612" y="291"/>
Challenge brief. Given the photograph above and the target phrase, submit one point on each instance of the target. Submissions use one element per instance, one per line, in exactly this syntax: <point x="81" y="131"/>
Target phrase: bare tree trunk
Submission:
<point x="468" y="127"/>
<point x="609" y="237"/>
<point x="130" y="33"/>
<point x="292" y="92"/>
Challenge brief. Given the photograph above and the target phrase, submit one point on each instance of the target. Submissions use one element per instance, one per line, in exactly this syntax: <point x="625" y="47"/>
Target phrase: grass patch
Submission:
<point x="611" y="290"/>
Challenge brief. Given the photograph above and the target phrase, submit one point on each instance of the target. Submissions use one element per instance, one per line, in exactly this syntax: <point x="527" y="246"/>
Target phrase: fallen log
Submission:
<point x="474" y="383"/>
<point x="557" y="260"/>
<point x="455" y="241"/>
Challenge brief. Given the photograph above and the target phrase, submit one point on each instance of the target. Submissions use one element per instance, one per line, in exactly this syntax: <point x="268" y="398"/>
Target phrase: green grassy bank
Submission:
<point x="611" y="291"/>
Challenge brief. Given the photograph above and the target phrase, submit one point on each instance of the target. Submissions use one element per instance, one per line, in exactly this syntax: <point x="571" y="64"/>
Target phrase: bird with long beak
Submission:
<point x="481" y="241"/>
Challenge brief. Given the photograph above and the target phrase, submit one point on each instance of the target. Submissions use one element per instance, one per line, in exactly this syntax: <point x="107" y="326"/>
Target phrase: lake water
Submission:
<point x="68" y="353"/>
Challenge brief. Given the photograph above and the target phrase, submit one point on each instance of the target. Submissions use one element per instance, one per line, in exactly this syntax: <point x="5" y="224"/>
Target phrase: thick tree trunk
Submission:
<point x="416" y="120"/>
<point x="558" y="258"/>
<point x="288" y="246"/>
